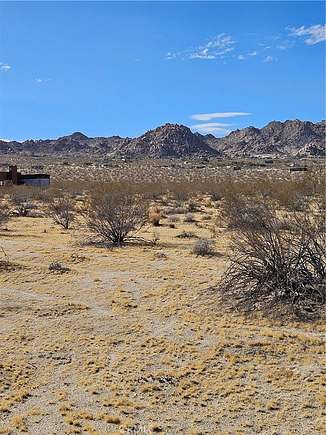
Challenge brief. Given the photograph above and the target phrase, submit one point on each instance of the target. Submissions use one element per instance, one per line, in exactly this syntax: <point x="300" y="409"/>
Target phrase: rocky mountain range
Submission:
<point x="292" y="138"/>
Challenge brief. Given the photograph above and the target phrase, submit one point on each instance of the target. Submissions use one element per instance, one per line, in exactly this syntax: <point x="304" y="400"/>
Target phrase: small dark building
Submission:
<point x="17" y="178"/>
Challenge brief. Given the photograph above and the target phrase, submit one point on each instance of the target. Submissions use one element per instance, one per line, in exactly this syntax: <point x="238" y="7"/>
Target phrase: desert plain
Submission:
<point x="133" y="340"/>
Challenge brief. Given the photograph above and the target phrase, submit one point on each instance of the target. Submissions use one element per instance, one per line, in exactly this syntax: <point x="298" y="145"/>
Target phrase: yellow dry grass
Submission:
<point x="130" y="341"/>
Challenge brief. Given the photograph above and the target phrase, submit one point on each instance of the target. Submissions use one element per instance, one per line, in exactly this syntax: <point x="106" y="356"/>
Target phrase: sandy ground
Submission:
<point x="131" y="341"/>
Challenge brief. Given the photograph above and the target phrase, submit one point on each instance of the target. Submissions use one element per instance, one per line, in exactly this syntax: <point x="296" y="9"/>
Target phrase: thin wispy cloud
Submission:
<point x="211" y="127"/>
<point x="4" y="67"/>
<point x="269" y="59"/>
<point x="264" y="48"/>
<point x="215" y="48"/>
<point x="170" y="55"/>
<point x="285" y="44"/>
<point x="39" y="81"/>
<point x="312" y="35"/>
<point x="244" y="56"/>
<point x="217" y="115"/>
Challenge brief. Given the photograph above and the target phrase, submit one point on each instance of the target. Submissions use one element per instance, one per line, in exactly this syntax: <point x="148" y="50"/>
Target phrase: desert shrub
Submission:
<point x="58" y="267"/>
<point x="189" y="218"/>
<point x="192" y="206"/>
<point x="180" y="191"/>
<point x="203" y="247"/>
<point x="4" y="213"/>
<point x="239" y="211"/>
<point x="175" y="210"/>
<point x="278" y="271"/>
<point x="62" y="211"/>
<point x="289" y="198"/>
<point x="207" y="217"/>
<point x="187" y="235"/>
<point x="115" y="218"/>
<point x="216" y="196"/>
<point x="22" y="201"/>
<point x="173" y="219"/>
<point x="155" y="216"/>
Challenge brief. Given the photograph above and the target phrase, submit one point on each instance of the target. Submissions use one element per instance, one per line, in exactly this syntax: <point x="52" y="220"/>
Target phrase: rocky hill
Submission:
<point x="293" y="138"/>
<point x="74" y="143"/>
<point x="169" y="140"/>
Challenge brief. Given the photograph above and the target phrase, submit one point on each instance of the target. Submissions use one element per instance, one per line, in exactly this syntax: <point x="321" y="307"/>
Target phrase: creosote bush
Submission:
<point x="62" y="211"/>
<point x="242" y="212"/>
<point x="278" y="267"/>
<point x="116" y="217"/>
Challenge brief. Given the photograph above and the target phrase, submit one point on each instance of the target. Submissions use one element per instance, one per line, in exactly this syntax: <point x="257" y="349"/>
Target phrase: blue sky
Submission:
<point x="107" y="68"/>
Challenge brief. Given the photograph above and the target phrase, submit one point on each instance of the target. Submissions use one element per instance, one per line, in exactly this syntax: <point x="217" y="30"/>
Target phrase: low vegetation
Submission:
<point x="203" y="247"/>
<point x="4" y="214"/>
<point x="22" y="202"/>
<point x="116" y="218"/>
<point x="100" y="341"/>
<point x="278" y="265"/>
<point x="63" y="211"/>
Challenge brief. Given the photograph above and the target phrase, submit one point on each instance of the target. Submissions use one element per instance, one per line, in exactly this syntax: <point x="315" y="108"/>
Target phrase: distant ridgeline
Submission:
<point x="290" y="138"/>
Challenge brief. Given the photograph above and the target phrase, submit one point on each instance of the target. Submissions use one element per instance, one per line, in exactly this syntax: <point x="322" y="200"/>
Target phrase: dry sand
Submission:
<point x="130" y="342"/>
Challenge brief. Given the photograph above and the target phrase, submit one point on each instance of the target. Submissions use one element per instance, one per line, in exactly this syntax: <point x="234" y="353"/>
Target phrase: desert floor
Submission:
<point x="131" y="341"/>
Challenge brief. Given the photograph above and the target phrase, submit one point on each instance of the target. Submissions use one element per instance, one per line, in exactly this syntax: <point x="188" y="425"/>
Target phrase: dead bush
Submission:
<point x="278" y="272"/>
<point x="62" y="211"/>
<point x="155" y="216"/>
<point x="116" y="217"/>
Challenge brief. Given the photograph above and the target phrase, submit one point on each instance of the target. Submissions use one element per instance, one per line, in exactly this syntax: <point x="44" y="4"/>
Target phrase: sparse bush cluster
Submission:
<point x="278" y="266"/>
<point x="22" y="201"/>
<point x="240" y="212"/>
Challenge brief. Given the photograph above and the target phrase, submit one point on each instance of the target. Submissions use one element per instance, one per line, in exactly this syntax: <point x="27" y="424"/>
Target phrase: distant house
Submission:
<point x="14" y="177"/>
